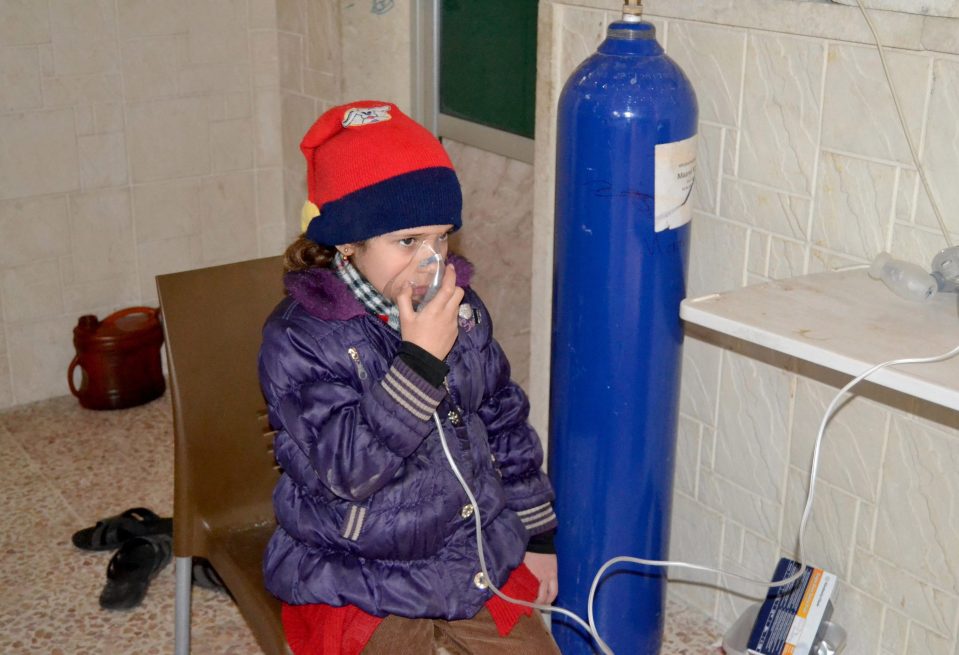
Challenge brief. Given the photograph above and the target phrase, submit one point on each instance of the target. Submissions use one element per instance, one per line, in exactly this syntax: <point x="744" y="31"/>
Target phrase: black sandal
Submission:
<point x="204" y="575"/>
<point x="111" y="532"/>
<point x="131" y="569"/>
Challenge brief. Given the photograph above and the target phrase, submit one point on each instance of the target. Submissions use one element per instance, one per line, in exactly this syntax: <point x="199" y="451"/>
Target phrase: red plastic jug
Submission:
<point x="119" y="359"/>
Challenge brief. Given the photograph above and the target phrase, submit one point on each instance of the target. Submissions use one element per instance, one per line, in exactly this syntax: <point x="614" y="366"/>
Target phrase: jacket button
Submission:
<point x="467" y="511"/>
<point x="479" y="581"/>
<point x="453" y="417"/>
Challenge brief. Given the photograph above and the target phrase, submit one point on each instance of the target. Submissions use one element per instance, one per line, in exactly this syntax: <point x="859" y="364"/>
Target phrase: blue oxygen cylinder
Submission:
<point x="625" y="164"/>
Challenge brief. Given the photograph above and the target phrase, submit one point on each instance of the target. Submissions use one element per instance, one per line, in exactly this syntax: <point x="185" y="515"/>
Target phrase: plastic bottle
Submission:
<point x="906" y="280"/>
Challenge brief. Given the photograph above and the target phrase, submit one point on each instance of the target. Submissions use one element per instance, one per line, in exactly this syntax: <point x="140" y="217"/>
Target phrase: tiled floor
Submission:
<point x="62" y="468"/>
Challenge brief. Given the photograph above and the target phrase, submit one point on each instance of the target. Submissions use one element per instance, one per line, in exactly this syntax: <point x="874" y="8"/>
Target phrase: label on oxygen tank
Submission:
<point x="675" y="174"/>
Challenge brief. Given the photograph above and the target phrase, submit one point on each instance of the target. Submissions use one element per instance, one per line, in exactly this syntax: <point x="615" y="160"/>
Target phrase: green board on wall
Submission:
<point x="488" y="62"/>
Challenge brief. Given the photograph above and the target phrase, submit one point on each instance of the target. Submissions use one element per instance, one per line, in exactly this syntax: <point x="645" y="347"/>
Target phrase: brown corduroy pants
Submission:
<point x="476" y="636"/>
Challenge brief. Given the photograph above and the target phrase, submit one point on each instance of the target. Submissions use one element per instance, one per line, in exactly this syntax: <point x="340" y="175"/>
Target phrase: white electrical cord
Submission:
<point x="905" y="129"/>
<point x="807" y="512"/>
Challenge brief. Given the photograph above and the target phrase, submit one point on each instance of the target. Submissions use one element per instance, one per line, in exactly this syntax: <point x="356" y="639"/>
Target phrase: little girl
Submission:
<point x="375" y="551"/>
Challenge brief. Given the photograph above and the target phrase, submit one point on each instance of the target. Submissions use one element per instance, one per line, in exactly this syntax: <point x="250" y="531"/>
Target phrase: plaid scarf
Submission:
<point x="372" y="299"/>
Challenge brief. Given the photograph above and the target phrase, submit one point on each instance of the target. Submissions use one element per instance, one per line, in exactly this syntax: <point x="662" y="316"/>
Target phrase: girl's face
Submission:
<point x="390" y="261"/>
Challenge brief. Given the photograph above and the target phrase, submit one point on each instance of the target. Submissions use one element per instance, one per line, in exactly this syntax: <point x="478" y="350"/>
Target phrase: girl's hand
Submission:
<point x="543" y="567"/>
<point x="435" y="328"/>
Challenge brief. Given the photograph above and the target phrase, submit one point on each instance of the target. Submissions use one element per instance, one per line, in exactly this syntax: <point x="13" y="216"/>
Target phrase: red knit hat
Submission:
<point x="371" y="169"/>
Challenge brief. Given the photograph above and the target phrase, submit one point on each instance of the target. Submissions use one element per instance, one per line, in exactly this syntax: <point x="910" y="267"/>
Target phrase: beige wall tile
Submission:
<point x="103" y="160"/>
<point x="918" y="599"/>
<point x="85" y="120"/>
<point x="291" y="61"/>
<point x="101" y="230"/>
<point x="323" y="86"/>
<point x="168" y="138"/>
<point x="299" y="113"/>
<point x="24" y="22"/>
<point x="31" y="292"/>
<point x="269" y="197"/>
<point x="39" y="153"/>
<point x="291" y="15"/>
<point x="39" y="354"/>
<point x="942" y="134"/>
<point x="497" y="237"/>
<point x="33" y="229"/>
<point x="267" y="112"/>
<point x="853" y="444"/>
<point x="81" y="89"/>
<point x="271" y="239"/>
<point x="700" y="380"/>
<point x="778" y="212"/>
<point x="859" y="115"/>
<point x="101" y="296"/>
<point x="752" y="427"/>
<point x="688" y="439"/>
<point x="853" y="205"/>
<point x="927" y="642"/>
<point x="696" y="535"/>
<point x="166" y="210"/>
<point x="266" y="58"/>
<point x="19" y="79"/>
<point x="716" y="256"/>
<point x="916" y="512"/>
<point x="166" y="256"/>
<point x="206" y="79"/>
<point x="237" y="105"/>
<point x="218" y="32"/>
<point x="830" y="534"/>
<point x="152" y="18"/>
<point x="294" y="195"/>
<point x="84" y="36"/>
<point x="581" y="31"/>
<point x="781" y="111"/>
<point x="108" y="117"/>
<point x="861" y="616"/>
<point x="150" y="67"/>
<point x="786" y="258"/>
<point x="322" y="42"/>
<point x="711" y="56"/>
<point x="380" y="72"/>
<point x="708" y="154"/>
<point x="262" y="14"/>
<point x="231" y="145"/>
<point x="228" y="218"/>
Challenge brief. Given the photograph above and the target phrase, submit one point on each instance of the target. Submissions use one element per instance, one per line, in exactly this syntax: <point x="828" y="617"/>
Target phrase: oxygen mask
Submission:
<point x="422" y="272"/>
<point x="427" y="274"/>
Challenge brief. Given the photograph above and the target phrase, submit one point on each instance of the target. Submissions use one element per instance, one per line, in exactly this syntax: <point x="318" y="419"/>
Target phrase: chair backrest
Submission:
<point x="212" y="320"/>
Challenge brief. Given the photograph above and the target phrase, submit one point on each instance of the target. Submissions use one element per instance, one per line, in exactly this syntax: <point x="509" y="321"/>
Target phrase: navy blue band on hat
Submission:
<point x="430" y="196"/>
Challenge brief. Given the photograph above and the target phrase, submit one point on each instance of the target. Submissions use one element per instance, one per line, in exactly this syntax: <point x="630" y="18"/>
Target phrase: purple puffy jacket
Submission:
<point x="369" y="511"/>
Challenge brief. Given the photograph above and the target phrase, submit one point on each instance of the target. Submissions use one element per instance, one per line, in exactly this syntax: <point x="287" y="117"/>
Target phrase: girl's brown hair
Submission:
<point x="304" y="253"/>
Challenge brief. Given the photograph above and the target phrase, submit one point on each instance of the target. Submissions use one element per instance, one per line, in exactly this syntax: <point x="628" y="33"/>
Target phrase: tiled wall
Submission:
<point x="802" y="167"/>
<point x="138" y="138"/>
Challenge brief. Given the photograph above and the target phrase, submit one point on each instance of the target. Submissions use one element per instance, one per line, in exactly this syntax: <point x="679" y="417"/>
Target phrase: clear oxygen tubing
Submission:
<point x="905" y="130"/>
<point x="590" y="627"/>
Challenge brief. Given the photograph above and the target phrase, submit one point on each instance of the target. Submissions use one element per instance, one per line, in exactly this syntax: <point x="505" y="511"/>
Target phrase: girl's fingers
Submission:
<point x="404" y="302"/>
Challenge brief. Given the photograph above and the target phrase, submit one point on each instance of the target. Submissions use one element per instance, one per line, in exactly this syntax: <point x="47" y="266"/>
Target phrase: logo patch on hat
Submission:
<point x="357" y="116"/>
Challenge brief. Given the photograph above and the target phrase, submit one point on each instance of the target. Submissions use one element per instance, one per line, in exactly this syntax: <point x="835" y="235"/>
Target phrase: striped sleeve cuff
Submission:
<point x="538" y="519"/>
<point x="410" y="391"/>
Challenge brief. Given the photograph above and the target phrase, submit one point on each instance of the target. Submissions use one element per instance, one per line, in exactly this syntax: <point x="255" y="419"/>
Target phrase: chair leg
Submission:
<point x="184" y="585"/>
